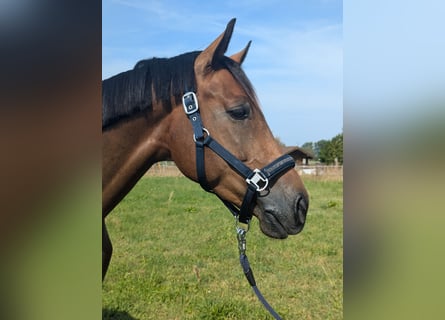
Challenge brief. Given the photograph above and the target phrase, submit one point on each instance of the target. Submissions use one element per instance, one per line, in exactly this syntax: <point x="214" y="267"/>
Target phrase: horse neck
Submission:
<point x="147" y="131"/>
<point x="130" y="148"/>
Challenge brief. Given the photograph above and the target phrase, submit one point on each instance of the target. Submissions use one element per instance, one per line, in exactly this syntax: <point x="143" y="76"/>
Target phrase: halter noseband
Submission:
<point x="257" y="180"/>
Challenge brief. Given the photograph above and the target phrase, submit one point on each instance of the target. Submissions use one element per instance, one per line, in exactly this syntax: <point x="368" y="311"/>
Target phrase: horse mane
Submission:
<point x="135" y="90"/>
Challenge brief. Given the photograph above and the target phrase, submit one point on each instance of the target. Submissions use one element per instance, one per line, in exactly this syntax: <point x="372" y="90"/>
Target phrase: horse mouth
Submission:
<point x="271" y="226"/>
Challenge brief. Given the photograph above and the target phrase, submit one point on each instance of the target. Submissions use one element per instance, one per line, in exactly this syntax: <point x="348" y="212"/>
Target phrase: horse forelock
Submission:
<point x="237" y="72"/>
<point x="150" y="81"/>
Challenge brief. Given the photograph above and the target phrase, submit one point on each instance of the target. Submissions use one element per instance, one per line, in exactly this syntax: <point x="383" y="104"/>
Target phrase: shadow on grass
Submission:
<point x="108" y="314"/>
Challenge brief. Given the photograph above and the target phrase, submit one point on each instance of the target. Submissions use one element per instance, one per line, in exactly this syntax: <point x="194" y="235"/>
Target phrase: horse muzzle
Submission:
<point x="280" y="217"/>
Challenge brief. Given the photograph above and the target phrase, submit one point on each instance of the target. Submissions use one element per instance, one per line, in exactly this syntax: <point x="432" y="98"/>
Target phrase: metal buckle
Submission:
<point x="258" y="180"/>
<point x="190" y="103"/>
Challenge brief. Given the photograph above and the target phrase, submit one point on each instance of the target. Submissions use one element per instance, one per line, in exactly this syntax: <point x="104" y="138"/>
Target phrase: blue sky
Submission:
<point x="295" y="62"/>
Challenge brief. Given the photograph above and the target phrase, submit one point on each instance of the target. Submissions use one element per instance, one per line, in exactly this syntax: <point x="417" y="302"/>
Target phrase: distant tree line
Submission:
<point x="326" y="151"/>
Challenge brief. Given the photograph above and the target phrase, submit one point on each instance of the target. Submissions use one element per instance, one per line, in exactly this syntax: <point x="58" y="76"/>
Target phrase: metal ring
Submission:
<point x="204" y="130"/>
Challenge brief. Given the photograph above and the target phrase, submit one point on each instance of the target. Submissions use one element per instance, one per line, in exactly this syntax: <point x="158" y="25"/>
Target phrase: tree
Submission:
<point x="321" y="150"/>
<point x="331" y="151"/>
<point x="337" y="148"/>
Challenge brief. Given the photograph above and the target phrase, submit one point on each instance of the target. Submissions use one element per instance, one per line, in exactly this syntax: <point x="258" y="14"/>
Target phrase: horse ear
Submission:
<point x="240" y="56"/>
<point x="213" y="54"/>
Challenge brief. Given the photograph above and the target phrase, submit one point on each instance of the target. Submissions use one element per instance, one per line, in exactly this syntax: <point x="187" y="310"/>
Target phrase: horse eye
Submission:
<point x="240" y="113"/>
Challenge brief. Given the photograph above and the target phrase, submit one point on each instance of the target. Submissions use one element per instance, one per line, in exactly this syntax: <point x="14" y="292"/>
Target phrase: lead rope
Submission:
<point x="241" y="233"/>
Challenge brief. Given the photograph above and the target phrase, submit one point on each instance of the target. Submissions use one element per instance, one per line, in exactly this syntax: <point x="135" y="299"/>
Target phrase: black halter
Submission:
<point x="258" y="180"/>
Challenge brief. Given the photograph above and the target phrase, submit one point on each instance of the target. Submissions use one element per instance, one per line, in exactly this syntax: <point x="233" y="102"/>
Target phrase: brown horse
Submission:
<point x="144" y="122"/>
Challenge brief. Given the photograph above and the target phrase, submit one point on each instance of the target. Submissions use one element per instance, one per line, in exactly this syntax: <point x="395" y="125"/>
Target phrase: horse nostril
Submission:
<point x="301" y="207"/>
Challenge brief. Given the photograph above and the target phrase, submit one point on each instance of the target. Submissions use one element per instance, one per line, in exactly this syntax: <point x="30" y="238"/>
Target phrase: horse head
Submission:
<point x="231" y="113"/>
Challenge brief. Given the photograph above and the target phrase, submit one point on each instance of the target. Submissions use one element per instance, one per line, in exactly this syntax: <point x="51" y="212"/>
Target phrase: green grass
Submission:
<point x="176" y="257"/>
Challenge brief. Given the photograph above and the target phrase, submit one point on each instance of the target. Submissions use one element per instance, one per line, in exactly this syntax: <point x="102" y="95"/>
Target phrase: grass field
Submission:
<point x="176" y="257"/>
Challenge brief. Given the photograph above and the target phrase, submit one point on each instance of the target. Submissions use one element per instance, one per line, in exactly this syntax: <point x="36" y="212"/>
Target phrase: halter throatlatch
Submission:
<point x="257" y="180"/>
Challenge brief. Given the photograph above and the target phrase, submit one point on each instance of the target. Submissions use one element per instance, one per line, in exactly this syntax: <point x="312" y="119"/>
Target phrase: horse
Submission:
<point x="151" y="113"/>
